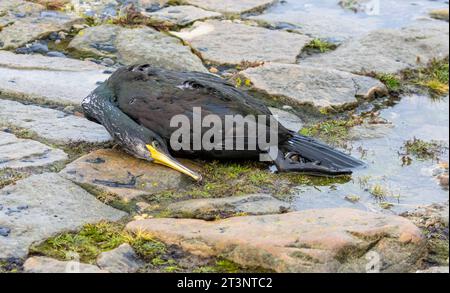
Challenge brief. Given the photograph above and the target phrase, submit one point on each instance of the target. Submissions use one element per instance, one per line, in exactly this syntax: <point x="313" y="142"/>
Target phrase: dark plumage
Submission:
<point x="138" y="102"/>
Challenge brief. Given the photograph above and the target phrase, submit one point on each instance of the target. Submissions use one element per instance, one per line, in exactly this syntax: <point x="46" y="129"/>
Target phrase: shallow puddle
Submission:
<point x="403" y="186"/>
<point x="319" y="17"/>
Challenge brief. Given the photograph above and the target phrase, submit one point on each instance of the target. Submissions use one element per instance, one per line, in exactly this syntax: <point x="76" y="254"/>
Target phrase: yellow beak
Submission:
<point x="166" y="160"/>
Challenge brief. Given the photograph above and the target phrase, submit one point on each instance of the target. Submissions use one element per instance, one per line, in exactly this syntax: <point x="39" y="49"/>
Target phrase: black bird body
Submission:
<point x="139" y="101"/>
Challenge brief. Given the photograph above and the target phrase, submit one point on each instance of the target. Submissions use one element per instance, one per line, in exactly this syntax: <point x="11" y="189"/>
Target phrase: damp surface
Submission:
<point x="402" y="186"/>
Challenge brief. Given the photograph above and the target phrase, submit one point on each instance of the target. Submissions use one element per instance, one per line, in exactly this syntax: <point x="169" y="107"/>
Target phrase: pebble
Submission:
<point x="39" y="48"/>
<point x="4" y="231"/>
<point x="20" y="15"/>
<point x="69" y="109"/>
<point x="92" y="60"/>
<point x="109" y="12"/>
<point x="62" y="35"/>
<point x="18" y="209"/>
<point x="214" y="70"/>
<point x="443" y="180"/>
<point x="107" y="62"/>
<point x="154" y="7"/>
<point x="52" y="14"/>
<point x="53" y="36"/>
<point x="105" y="47"/>
<point x="142" y="206"/>
<point x="36" y="47"/>
<point x="79" y="26"/>
<point x="56" y="54"/>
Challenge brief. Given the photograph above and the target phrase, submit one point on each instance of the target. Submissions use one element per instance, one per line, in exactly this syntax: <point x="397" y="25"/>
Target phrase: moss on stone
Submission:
<point x="10" y="176"/>
<point x="319" y="46"/>
<point x="438" y="249"/>
<point x="225" y="266"/>
<point x="353" y="198"/>
<point x="110" y="199"/>
<point x="386" y="205"/>
<point x="175" y="2"/>
<point x="304" y="256"/>
<point x="94" y="239"/>
<point x="74" y="150"/>
<point x="333" y="131"/>
<point x="225" y="179"/>
<point x="52" y="4"/>
<point x="90" y="241"/>
<point x="378" y="192"/>
<point x="392" y="82"/>
<point x="434" y="77"/>
<point x="423" y="150"/>
<point x="431" y="79"/>
<point x="10" y="266"/>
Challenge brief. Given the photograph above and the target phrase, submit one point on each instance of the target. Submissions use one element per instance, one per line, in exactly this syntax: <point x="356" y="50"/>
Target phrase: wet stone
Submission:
<point x="356" y="5"/>
<point x="435" y="270"/>
<point x="50" y="124"/>
<point x="21" y="153"/>
<point x="320" y="87"/>
<point x="97" y="9"/>
<point x="56" y="54"/>
<point x="36" y="47"/>
<point x="441" y="14"/>
<point x="287" y="119"/>
<point x="136" y="45"/>
<point x="107" y="9"/>
<point x="363" y="132"/>
<point x="41" y="264"/>
<point x="40" y="206"/>
<point x="210" y="209"/>
<point x="19" y="7"/>
<point x="20" y="29"/>
<point x="317" y="23"/>
<point x="51" y="79"/>
<point x="232" y="6"/>
<point x="4" y="232"/>
<point x="123" y="259"/>
<point x="181" y="15"/>
<point x="228" y="43"/>
<point x="430" y="215"/>
<point x="389" y="50"/>
<point x="120" y="174"/>
<point x="328" y="240"/>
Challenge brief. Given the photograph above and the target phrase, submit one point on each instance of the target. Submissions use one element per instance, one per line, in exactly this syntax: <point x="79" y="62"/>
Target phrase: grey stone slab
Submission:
<point x="41" y="206"/>
<point x="46" y="265"/>
<point x="18" y="153"/>
<point x="51" y="79"/>
<point x="122" y="259"/>
<point x="389" y="50"/>
<point x="211" y="208"/>
<point x="181" y="15"/>
<point x="232" y="6"/>
<point x="319" y="86"/>
<point x="230" y="43"/>
<point x="50" y="124"/>
<point x="136" y="45"/>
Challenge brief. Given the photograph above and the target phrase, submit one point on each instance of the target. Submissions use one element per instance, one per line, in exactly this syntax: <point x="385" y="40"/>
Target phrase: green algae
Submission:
<point x="423" y="150"/>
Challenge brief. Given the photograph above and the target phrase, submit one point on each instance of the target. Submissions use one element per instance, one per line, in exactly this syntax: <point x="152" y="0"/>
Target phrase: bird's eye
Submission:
<point x="155" y="144"/>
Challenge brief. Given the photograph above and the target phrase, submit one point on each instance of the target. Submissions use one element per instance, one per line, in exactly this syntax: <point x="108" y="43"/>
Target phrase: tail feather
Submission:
<point x="316" y="151"/>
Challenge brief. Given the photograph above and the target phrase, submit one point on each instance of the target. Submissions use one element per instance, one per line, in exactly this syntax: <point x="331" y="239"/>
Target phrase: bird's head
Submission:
<point x="136" y="139"/>
<point x="147" y="145"/>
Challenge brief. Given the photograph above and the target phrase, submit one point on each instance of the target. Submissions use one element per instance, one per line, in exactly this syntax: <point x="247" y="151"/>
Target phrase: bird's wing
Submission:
<point x="153" y="97"/>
